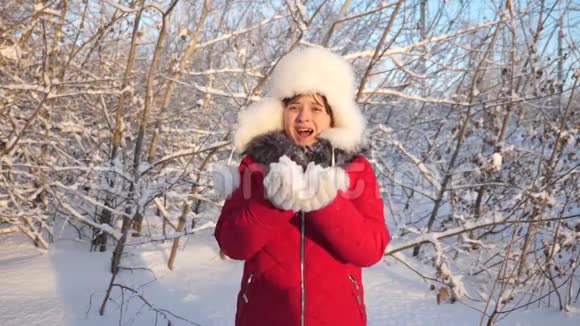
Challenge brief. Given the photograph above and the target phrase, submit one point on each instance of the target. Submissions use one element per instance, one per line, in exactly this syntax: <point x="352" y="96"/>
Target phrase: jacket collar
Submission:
<point x="268" y="148"/>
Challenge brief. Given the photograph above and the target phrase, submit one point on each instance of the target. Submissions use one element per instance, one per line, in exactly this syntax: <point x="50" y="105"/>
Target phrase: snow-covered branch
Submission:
<point x="406" y="49"/>
<point x="385" y="91"/>
<point x="101" y="227"/>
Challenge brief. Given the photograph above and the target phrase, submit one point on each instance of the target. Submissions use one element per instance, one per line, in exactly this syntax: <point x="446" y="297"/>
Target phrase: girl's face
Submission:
<point x="305" y="117"/>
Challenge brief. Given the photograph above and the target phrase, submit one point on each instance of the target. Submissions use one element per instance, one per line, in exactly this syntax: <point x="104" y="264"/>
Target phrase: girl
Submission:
<point x="306" y="213"/>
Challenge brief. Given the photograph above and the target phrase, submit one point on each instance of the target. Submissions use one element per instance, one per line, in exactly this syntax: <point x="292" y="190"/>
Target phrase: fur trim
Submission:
<point x="346" y="137"/>
<point x="259" y="118"/>
<point x="318" y="70"/>
<point x="314" y="70"/>
<point x="308" y="71"/>
<point x="269" y="148"/>
<point x="226" y="179"/>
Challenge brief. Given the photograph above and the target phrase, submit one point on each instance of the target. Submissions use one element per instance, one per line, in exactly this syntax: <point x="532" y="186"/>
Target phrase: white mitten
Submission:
<point x="284" y="183"/>
<point x="226" y="179"/>
<point x="323" y="185"/>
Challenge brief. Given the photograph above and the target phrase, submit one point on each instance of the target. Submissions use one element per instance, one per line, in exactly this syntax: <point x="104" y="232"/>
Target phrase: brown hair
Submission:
<point x="319" y="99"/>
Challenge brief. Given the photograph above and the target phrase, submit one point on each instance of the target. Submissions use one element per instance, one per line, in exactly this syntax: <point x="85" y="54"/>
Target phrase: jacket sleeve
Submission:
<point x="248" y="219"/>
<point x="353" y="224"/>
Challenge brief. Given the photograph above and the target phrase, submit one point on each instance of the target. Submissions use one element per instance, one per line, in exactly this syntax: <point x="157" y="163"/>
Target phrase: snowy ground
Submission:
<point x="65" y="286"/>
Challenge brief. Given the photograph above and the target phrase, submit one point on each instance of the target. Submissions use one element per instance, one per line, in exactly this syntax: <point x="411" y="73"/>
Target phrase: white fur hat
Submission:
<point x="307" y="71"/>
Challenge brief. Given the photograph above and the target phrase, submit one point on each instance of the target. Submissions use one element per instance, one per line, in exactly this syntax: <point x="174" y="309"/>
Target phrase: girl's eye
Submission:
<point x="293" y="108"/>
<point x="317" y="109"/>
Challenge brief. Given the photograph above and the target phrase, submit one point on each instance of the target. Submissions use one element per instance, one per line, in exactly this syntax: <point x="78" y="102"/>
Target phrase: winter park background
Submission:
<point x="114" y="113"/>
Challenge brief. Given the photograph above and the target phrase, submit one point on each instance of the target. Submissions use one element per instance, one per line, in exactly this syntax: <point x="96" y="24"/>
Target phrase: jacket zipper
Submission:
<point x="302" y="254"/>
<point x="357" y="289"/>
<point x="242" y="305"/>
<point x="248" y="282"/>
<point x="359" y="298"/>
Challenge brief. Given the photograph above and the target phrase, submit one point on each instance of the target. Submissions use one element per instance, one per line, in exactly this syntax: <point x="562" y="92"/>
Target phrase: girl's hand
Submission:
<point x="284" y="184"/>
<point x="322" y="186"/>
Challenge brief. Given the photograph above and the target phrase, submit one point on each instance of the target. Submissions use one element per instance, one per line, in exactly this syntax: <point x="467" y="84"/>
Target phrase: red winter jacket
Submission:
<point x="340" y="239"/>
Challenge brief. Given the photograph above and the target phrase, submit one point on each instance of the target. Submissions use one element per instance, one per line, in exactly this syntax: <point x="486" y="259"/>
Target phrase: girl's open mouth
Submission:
<point x="304" y="133"/>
